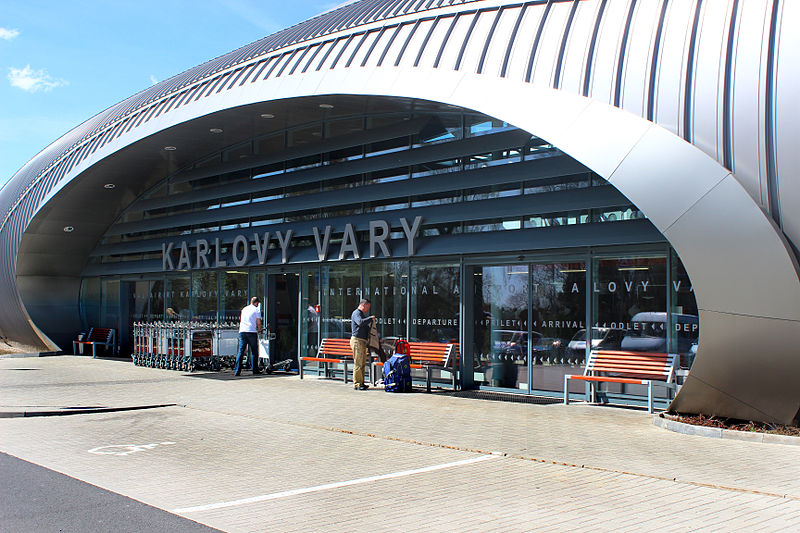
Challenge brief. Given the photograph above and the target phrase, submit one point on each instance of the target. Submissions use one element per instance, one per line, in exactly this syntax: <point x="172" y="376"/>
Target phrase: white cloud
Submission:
<point x="7" y="34"/>
<point x="31" y="80"/>
<point x="153" y="79"/>
<point x="253" y="13"/>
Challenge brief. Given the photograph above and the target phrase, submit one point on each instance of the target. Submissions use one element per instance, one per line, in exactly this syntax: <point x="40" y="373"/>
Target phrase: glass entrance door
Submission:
<point x="528" y="321"/>
<point x="282" y="309"/>
<point x="558" y="325"/>
<point x="500" y="326"/>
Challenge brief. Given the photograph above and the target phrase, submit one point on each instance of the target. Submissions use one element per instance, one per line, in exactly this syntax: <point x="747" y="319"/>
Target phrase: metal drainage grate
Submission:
<point x="503" y="397"/>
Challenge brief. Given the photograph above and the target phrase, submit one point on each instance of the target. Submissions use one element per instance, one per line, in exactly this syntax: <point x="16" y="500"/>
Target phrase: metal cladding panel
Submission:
<point x="638" y="52"/>
<point x="500" y="49"/>
<point x="751" y="291"/>
<point x="431" y="49"/>
<point x="412" y="45"/>
<point x="706" y="86"/>
<point x="452" y="46"/>
<point x="747" y="106"/>
<point x="607" y="51"/>
<point x="787" y="123"/>
<point x="576" y="47"/>
<point x="671" y="185"/>
<point x="727" y="94"/>
<point x="472" y="48"/>
<point x="547" y="52"/>
<point x="742" y="382"/>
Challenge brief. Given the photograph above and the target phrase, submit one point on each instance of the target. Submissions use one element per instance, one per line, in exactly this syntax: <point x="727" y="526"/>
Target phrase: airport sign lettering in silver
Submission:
<point x="240" y="249"/>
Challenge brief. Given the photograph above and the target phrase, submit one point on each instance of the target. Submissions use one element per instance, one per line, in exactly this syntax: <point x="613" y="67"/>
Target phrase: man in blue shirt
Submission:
<point x="358" y="342"/>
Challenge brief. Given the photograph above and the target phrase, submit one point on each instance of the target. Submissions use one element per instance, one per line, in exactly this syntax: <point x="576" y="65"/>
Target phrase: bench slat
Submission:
<point x="608" y="379"/>
<point x="322" y="359"/>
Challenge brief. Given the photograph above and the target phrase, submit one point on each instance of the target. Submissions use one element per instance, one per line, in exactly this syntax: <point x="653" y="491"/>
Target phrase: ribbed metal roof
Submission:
<point x="342" y="18"/>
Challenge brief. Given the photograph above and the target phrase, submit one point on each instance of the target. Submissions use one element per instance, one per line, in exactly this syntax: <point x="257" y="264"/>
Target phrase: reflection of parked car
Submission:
<point x="515" y="344"/>
<point x="512" y="343"/>
<point x="602" y="338"/>
<point x="648" y="332"/>
<point x="687" y="359"/>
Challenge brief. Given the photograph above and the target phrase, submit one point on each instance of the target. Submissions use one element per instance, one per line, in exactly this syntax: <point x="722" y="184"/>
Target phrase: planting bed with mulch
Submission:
<point x="737" y="425"/>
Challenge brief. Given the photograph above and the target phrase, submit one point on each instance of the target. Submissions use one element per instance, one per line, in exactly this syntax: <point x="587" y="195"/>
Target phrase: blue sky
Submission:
<point x="64" y="61"/>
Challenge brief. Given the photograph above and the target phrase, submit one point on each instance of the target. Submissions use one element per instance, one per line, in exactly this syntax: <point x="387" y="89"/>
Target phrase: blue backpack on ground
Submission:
<point x="397" y="370"/>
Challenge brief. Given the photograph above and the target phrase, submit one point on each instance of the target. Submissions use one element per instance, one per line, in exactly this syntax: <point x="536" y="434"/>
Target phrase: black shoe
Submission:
<point x="256" y="373"/>
<point x="362" y="387"/>
<point x="238" y="374"/>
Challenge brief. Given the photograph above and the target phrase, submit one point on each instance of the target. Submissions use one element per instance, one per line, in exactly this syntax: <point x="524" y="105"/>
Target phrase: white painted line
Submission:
<point x="295" y="492"/>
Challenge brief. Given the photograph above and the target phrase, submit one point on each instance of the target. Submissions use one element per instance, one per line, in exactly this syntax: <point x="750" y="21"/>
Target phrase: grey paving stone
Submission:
<point x="233" y="439"/>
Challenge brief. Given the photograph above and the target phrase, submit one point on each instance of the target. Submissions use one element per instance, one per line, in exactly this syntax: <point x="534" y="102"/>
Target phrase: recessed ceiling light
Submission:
<point x="170" y="148"/>
<point x="316" y="134"/>
<point x="326" y="106"/>
<point x="267" y="115"/>
<point x="109" y="186"/>
<point x="68" y="229"/>
<point x="215" y="130"/>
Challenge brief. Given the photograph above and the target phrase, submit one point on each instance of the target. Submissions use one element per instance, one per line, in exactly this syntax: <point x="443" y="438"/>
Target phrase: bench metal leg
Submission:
<point x="566" y="390"/>
<point x="428" y="379"/>
<point x="345" y="372"/>
<point x="94" y="350"/>
<point x="650" y="397"/>
<point x="300" y="367"/>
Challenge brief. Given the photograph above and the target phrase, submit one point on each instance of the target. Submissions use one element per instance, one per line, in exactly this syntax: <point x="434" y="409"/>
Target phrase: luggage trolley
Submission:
<point x="200" y="342"/>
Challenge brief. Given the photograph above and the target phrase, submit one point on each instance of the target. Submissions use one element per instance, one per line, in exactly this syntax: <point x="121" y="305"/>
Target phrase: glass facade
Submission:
<point x="460" y="229"/>
<point x="558" y="313"/>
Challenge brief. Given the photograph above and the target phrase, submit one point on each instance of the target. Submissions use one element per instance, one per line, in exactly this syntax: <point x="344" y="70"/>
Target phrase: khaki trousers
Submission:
<point x="359" y="347"/>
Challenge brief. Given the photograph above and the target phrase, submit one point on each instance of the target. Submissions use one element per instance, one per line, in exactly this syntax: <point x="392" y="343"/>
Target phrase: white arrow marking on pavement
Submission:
<point x="284" y="494"/>
<point x="125" y="449"/>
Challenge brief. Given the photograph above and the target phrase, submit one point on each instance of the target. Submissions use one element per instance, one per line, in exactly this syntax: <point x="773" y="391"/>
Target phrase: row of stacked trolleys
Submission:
<point x="185" y="346"/>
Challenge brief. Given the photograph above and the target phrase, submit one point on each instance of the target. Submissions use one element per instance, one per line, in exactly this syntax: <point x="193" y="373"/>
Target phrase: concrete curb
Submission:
<point x="719" y="433"/>
<point x="79" y="411"/>
<point x="21" y="355"/>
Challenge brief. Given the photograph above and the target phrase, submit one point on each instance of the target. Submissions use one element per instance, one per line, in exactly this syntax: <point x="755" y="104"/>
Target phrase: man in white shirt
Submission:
<point x="249" y="327"/>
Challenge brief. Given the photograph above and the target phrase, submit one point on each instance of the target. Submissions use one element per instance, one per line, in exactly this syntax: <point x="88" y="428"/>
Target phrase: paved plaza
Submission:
<point x="274" y="453"/>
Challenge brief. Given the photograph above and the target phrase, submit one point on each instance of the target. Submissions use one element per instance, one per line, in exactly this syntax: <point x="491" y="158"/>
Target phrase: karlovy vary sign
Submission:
<point x="203" y="253"/>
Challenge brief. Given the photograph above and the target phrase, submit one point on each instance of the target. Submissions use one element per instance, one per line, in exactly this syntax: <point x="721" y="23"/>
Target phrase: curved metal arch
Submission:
<point x="749" y="298"/>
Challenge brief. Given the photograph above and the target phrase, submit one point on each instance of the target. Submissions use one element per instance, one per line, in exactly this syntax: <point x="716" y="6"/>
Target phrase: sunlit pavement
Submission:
<point x="274" y="453"/>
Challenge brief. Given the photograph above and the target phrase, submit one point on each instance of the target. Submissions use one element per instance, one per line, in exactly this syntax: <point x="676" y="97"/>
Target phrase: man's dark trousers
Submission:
<point x="247" y="339"/>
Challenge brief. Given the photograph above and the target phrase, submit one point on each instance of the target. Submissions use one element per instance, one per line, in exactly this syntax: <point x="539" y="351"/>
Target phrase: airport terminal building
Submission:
<point x="526" y="179"/>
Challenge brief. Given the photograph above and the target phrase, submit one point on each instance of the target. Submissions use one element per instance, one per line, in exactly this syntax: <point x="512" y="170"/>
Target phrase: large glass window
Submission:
<point x="234" y="295"/>
<point x="204" y="296"/>
<point x="435" y="296"/>
<point x="177" y="298"/>
<point x="90" y="302"/>
<point x="310" y="309"/>
<point x="341" y="292"/>
<point x="685" y="326"/>
<point x="386" y="286"/>
<point x="558" y="324"/>
<point x="283" y="295"/>
<point x="156" y="303"/>
<point x="109" y="307"/>
<point x="630" y="309"/>
<point x="138" y="295"/>
<point x="500" y="326"/>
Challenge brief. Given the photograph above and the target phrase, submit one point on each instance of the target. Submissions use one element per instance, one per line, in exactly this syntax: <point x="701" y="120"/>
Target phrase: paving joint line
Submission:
<point x="392" y="438"/>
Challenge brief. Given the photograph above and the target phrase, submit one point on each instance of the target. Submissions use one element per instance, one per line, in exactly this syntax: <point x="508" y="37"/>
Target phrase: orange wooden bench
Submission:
<point x="98" y="337"/>
<point x="639" y="368"/>
<point x="429" y="356"/>
<point x="331" y="351"/>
